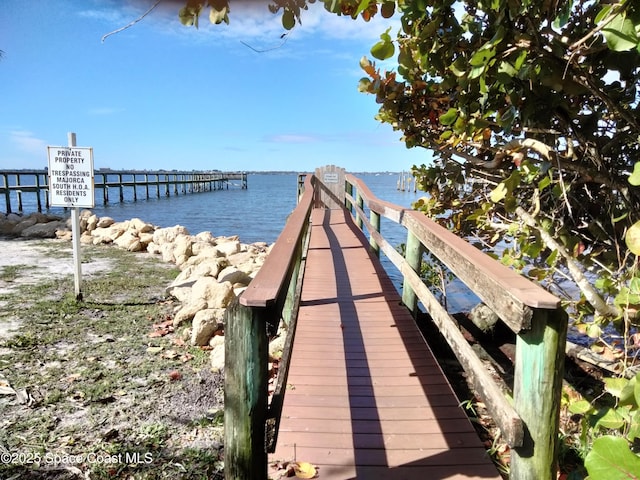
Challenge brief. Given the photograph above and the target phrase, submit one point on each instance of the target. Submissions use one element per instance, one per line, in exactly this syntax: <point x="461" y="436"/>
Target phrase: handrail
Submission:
<point x="530" y="425"/>
<point x="273" y="295"/>
<point x="268" y="283"/>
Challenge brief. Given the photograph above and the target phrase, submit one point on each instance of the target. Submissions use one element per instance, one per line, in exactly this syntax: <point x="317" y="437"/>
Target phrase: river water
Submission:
<point x="256" y="214"/>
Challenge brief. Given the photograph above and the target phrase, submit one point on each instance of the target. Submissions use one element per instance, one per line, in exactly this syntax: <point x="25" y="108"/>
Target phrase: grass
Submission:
<point x="91" y="389"/>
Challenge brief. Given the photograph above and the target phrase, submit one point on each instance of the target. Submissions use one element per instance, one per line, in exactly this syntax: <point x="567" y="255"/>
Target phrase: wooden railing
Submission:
<point x="250" y="424"/>
<point x="529" y="425"/>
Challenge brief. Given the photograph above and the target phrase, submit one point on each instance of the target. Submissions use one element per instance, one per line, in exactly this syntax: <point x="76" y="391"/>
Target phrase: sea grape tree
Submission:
<point x="531" y="109"/>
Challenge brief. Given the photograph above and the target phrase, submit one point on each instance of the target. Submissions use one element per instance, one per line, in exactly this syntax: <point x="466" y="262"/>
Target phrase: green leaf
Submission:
<point x="615" y="385"/>
<point x="632" y="238"/>
<point x="482" y="57"/>
<point x="288" y="19"/>
<point x="620" y="34"/>
<point x="383" y="49"/>
<point x="450" y="117"/>
<point x="611" y="419"/>
<point x="580" y="407"/>
<point x="364" y="84"/>
<point x="611" y="459"/>
<point x="499" y="193"/>
<point x="364" y="4"/>
<point x="544" y="183"/>
<point x="634" y="178"/>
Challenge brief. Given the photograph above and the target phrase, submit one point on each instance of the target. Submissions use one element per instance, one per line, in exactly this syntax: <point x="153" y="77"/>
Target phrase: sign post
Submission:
<point x="71" y="185"/>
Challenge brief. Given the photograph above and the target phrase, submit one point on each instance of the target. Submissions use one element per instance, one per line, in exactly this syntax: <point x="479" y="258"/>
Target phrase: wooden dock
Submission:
<point x="365" y="398"/>
<point x="136" y="183"/>
<point x="359" y="393"/>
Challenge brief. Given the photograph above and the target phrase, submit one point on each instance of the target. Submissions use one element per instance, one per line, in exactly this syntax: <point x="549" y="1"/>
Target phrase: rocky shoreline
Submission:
<point x="213" y="270"/>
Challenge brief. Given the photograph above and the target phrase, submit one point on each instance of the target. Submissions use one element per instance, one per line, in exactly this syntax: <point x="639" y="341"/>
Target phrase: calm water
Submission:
<point x="256" y="214"/>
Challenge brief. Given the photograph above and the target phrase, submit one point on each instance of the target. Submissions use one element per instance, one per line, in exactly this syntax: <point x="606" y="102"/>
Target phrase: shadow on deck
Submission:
<point x="365" y="397"/>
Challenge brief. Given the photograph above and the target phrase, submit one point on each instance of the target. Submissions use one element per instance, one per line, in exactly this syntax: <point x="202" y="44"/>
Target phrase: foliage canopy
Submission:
<point x="531" y="109"/>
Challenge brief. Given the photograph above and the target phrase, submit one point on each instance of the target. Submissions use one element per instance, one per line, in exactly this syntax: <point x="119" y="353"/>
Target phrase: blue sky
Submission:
<point x="162" y="96"/>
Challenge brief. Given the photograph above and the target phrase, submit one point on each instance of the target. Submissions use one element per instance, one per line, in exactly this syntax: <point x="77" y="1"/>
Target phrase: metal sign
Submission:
<point x="71" y="177"/>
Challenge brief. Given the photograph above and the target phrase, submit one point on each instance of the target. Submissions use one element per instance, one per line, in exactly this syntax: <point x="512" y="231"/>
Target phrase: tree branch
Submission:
<point x="593" y="297"/>
<point x="131" y="24"/>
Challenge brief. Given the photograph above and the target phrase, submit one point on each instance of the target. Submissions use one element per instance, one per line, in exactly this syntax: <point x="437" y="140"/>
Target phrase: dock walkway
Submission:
<point x="365" y="397"/>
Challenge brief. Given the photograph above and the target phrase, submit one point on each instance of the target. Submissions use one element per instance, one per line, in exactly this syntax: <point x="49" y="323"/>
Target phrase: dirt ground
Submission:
<point x="100" y="388"/>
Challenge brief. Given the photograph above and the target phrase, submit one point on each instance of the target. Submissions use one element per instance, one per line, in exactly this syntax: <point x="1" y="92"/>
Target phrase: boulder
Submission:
<point x="217" y="295"/>
<point x="129" y="241"/>
<point x="205" y="323"/>
<point x="234" y="276"/>
<point x="217" y="358"/>
<point x="169" y="234"/>
<point x="41" y="230"/>
<point x="483" y="317"/>
<point x="105" y="222"/>
<point x="228" y="246"/>
<point x="188" y="311"/>
<point x="140" y="226"/>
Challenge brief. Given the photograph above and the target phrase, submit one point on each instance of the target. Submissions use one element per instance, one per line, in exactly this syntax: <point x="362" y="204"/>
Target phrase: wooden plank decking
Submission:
<point x="365" y="397"/>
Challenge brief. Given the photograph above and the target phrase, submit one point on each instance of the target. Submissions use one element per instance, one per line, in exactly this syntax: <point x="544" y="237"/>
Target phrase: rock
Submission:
<point x="276" y="346"/>
<point x="169" y="234"/>
<point x="228" y="246"/>
<point x="129" y="241"/>
<point x="22" y="225"/>
<point x="140" y="226"/>
<point x="188" y="311"/>
<point x="217" y="358"/>
<point x="217" y="295"/>
<point x="205" y="323"/>
<point x="182" y="293"/>
<point x="234" y="276"/>
<point x="105" y="222"/>
<point x="166" y="250"/>
<point x="483" y="317"/>
<point x="204" y="249"/>
<point x="209" y="267"/>
<point x="216" y="340"/>
<point x="205" y="237"/>
<point x="42" y="230"/>
<point x="107" y="234"/>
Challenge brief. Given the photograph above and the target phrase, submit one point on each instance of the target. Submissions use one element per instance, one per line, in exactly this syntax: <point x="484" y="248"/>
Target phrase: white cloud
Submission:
<point x="104" y="111"/>
<point x="291" y="138"/>
<point x="27" y="142"/>
<point x="249" y="21"/>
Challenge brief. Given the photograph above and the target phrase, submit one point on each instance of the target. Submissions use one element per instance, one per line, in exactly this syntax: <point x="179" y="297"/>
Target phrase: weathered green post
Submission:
<point x="245" y="393"/>
<point x="360" y="203"/>
<point x="413" y="256"/>
<point x="537" y="391"/>
<point x="374" y="219"/>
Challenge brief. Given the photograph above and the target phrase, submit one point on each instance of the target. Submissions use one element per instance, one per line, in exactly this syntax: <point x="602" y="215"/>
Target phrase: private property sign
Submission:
<point x="71" y="177"/>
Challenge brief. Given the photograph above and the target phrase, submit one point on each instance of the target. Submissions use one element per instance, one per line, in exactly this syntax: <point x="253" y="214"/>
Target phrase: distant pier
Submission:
<point x="141" y="183"/>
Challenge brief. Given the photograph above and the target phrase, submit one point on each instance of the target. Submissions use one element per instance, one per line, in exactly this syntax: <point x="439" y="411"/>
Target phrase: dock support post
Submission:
<point x="135" y="188"/>
<point x="413" y="256"/>
<point x="245" y="393"/>
<point x="537" y="390"/>
<point x="120" y="188"/>
<point x="19" y="193"/>
<point x="374" y="219"/>
<point x="39" y="203"/>
<point x="7" y="194"/>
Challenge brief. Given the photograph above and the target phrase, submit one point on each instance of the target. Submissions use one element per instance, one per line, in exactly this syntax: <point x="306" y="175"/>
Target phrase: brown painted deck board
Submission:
<point x="365" y="398"/>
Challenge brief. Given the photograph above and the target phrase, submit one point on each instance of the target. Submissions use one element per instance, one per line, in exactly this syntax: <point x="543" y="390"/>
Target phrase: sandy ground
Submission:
<point x="37" y="256"/>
